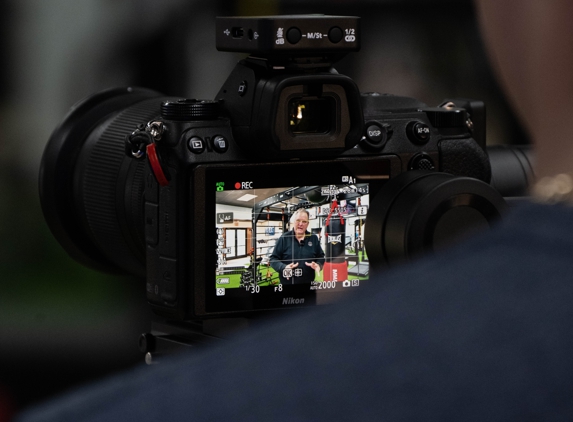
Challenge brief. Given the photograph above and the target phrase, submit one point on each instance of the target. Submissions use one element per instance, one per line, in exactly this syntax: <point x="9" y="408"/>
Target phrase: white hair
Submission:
<point x="297" y="212"/>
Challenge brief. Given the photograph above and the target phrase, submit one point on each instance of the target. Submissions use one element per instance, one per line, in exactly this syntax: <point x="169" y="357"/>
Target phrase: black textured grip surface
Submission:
<point x="464" y="157"/>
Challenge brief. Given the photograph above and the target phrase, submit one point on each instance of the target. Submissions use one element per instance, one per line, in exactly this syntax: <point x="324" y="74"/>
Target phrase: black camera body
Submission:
<point x="195" y="195"/>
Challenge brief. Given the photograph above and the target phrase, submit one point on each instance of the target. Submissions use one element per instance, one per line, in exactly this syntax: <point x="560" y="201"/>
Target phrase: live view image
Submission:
<point x="312" y="235"/>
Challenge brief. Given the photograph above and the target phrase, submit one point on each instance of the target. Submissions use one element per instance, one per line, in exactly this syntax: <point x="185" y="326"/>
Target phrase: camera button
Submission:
<point x="418" y="132"/>
<point x="242" y="90"/>
<point x="220" y="144"/>
<point x="421" y="161"/>
<point x="196" y="145"/>
<point x="376" y="135"/>
<point x="293" y="35"/>
<point x="335" y="35"/>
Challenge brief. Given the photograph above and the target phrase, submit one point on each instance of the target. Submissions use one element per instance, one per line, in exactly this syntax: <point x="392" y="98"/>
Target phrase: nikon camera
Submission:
<point x="198" y="196"/>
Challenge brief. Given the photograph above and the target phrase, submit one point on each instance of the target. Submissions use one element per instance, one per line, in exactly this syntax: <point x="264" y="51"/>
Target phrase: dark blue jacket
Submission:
<point x="480" y="332"/>
<point x="289" y="250"/>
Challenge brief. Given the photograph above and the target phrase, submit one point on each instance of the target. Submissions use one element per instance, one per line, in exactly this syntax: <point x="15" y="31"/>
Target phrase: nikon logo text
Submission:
<point x="292" y="301"/>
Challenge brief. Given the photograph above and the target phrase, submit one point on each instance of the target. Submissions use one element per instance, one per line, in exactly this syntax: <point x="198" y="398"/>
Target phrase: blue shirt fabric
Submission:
<point x="482" y="331"/>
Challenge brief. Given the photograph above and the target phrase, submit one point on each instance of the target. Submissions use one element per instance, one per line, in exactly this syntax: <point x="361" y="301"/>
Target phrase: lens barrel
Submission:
<point x="91" y="193"/>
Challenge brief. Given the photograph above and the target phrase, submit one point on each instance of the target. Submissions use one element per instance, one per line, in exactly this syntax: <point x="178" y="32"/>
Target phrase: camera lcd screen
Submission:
<point x="288" y="234"/>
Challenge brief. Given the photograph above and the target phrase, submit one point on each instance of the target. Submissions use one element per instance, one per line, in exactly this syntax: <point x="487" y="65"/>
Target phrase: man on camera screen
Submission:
<point x="297" y="255"/>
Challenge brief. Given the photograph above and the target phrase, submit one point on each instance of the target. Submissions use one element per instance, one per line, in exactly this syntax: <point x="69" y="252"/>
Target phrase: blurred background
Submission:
<point x="61" y="324"/>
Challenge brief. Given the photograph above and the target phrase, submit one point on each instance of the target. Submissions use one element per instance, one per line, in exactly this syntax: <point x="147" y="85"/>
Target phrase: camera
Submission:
<point x="198" y="196"/>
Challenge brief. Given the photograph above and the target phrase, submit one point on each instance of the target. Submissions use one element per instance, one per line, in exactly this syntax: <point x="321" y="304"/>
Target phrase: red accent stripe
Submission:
<point x="156" y="165"/>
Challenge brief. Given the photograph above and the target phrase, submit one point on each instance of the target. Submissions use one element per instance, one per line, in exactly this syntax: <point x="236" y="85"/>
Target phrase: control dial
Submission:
<point x="447" y="117"/>
<point x="190" y="109"/>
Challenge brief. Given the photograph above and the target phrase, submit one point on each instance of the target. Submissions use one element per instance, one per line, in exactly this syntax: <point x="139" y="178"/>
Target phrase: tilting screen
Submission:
<point x="280" y="244"/>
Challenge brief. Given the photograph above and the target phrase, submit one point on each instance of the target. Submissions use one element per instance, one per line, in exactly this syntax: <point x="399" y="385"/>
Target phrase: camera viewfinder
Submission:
<point x="311" y="115"/>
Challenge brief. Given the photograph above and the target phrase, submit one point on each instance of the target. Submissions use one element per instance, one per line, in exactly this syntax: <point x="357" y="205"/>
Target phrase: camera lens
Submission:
<point x="309" y="116"/>
<point x="91" y="192"/>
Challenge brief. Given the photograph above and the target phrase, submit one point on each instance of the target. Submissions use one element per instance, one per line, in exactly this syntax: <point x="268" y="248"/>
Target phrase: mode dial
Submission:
<point x="190" y="109"/>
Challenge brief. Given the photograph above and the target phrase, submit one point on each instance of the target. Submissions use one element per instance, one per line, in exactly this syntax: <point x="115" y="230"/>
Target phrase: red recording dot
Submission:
<point x="237" y="185"/>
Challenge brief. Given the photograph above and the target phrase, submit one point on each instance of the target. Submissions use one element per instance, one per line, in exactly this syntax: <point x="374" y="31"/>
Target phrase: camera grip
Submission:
<point x="464" y="157"/>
